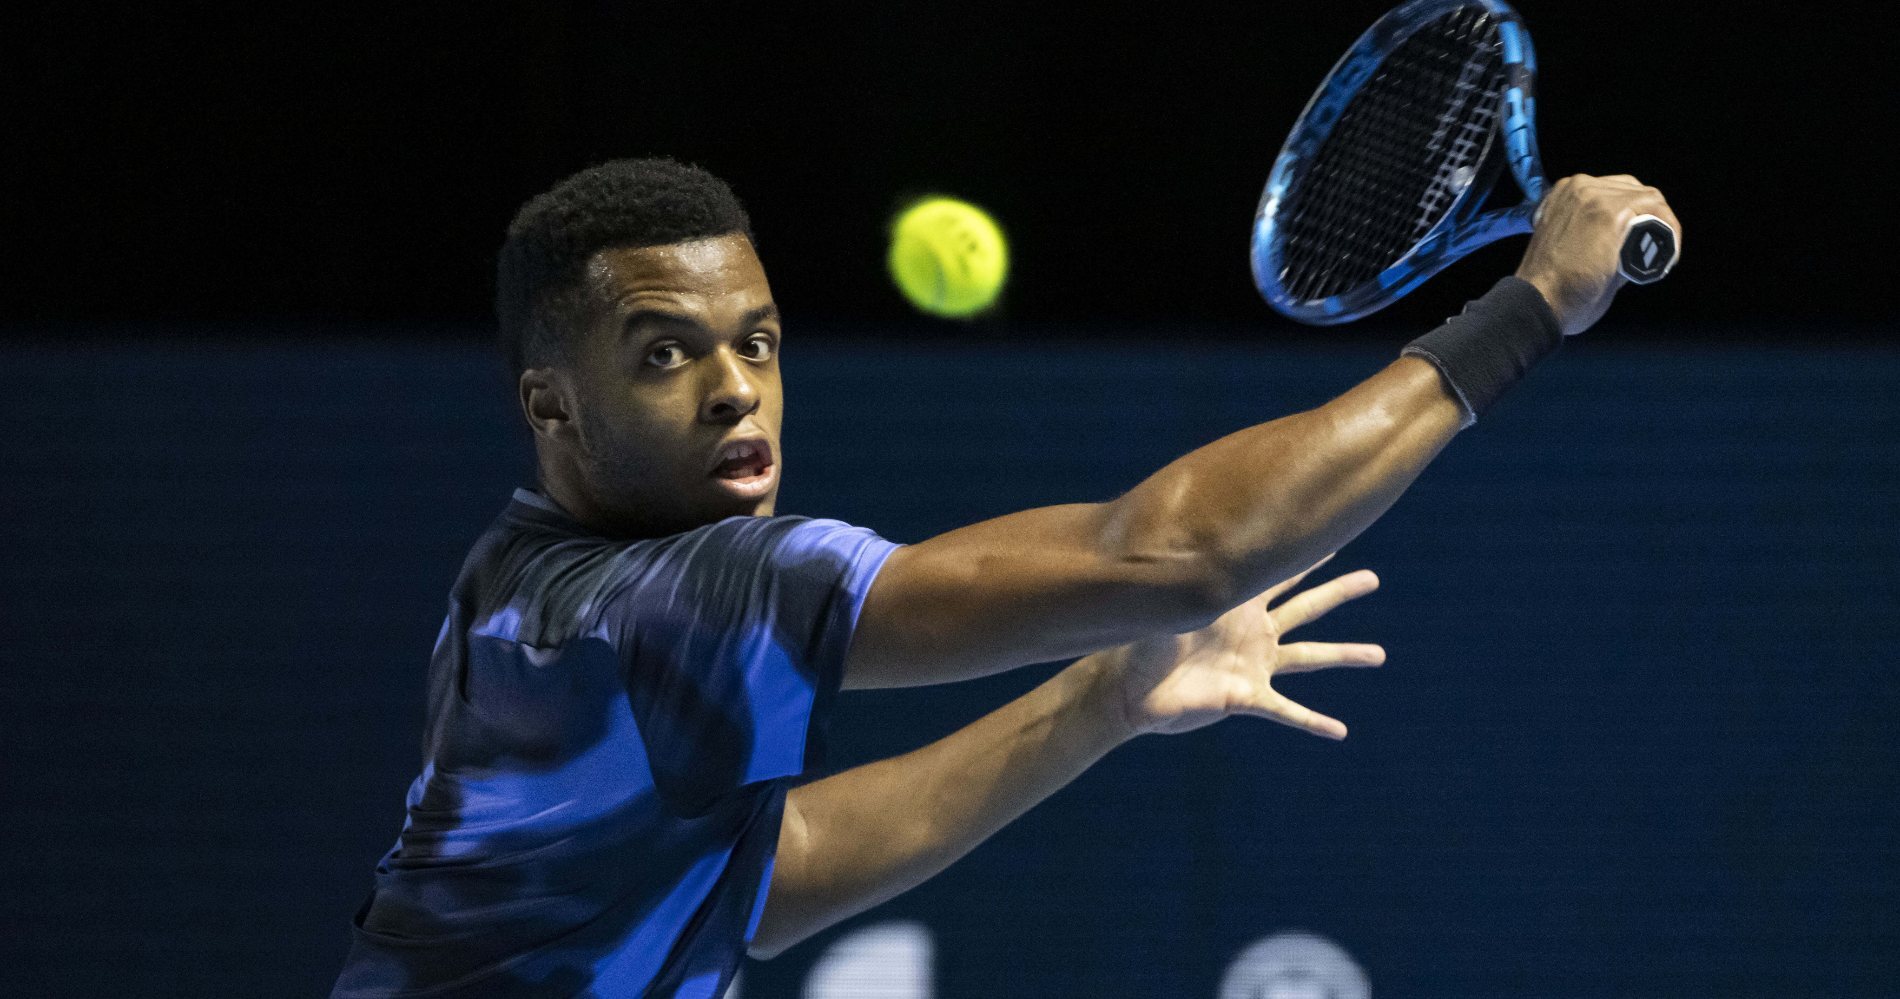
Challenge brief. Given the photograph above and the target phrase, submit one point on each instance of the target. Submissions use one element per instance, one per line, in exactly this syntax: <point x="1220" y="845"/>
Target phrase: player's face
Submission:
<point x="679" y="403"/>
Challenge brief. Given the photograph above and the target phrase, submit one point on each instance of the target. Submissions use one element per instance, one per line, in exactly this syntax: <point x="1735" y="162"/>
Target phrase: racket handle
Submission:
<point x="1649" y="250"/>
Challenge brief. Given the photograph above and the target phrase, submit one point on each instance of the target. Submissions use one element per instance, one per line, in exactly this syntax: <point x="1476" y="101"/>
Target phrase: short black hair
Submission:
<point x="620" y="203"/>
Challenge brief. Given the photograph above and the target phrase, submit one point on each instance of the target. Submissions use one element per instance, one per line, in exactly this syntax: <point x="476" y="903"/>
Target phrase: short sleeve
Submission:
<point x="732" y="640"/>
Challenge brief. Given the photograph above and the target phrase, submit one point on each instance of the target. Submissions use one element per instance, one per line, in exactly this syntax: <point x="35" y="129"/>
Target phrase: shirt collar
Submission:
<point x="539" y="501"/>
<point x="534" y="506"/>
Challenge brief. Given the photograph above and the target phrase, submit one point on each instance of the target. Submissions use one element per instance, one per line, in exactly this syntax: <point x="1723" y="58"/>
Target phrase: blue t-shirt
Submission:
<point x="610" y="728"/>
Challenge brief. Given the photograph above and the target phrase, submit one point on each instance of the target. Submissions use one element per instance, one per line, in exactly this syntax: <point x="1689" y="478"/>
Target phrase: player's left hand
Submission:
<point x="1176" y="683"/>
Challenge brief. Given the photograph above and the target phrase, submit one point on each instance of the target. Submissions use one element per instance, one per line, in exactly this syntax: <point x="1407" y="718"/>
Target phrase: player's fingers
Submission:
<point x="1588" y="181"/>
<point x="1652" y="202"/>
<point x="1279" y="589"/>
<point x="1305" y="657"/>
<point x="1278" y="708"/>
<point x="1659" y="207"/>
<point x="1316" y="602"/>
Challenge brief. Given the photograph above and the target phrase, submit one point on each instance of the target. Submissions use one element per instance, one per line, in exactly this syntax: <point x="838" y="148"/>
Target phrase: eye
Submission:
<point x="666" y="355"/>
<point x="758" y="348"/>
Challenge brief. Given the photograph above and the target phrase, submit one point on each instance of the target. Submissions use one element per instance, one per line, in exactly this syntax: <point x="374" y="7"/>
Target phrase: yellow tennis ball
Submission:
<point x="948" y="257"/>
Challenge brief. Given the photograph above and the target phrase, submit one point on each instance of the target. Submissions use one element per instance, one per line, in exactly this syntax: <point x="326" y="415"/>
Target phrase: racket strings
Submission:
<point x="1403" y="150"/>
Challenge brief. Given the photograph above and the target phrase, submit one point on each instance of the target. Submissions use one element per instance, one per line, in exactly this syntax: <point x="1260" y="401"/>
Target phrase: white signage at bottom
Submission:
<point x="897" y="961"/>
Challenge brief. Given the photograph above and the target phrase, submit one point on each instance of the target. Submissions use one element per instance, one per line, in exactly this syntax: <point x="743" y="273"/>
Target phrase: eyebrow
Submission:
<point x="644" y="315"/>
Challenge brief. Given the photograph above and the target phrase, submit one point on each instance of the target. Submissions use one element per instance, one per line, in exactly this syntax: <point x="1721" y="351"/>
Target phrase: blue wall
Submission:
<point x="1638" y="733"/>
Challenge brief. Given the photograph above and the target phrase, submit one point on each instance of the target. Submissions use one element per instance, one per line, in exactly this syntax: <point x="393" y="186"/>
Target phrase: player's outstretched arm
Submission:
<point x="860" y="837"/>
<point x="1248" y="510"/>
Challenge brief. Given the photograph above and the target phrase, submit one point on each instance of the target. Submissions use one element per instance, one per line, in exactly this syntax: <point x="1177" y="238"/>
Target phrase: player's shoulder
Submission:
<point x="777" y="538"/>
<point x="775" y="527"/>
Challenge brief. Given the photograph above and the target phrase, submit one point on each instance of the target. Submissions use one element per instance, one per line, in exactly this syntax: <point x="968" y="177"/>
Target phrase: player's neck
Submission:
<point x="599" y="518"/>
<point x="607" y="516"/>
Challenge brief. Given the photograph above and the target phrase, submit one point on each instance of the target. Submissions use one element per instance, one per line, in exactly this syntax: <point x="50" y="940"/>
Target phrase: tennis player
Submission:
<point x="639" y="655"/>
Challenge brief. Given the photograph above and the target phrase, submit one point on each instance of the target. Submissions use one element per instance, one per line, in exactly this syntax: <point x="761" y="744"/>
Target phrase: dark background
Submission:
<point x="359" y="161"/>
<point x="1637" y="733"/>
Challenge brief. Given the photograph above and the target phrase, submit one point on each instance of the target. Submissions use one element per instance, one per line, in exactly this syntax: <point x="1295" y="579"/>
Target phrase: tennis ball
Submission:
<point x="948" y="257"/>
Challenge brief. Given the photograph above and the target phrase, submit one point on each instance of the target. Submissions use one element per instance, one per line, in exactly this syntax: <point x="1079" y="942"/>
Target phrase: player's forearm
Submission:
<point x="863" y="836"/>
<point x="1203" y="534"/>
<point x="1261" y="504"/>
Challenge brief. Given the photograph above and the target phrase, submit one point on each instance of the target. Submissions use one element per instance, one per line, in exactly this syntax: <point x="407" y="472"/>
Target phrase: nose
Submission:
<point x="729" y="395"/>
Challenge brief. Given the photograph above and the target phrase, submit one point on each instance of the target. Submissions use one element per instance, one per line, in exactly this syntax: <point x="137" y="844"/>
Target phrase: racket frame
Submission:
<point x="1462" y="229"/>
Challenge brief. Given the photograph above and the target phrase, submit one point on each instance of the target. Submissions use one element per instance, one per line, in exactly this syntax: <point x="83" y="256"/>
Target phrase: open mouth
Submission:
<point x="744" y="462"/>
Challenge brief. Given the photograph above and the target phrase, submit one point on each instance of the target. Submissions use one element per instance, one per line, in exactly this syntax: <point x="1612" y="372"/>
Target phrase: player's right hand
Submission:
<point x="1573" y="254"/>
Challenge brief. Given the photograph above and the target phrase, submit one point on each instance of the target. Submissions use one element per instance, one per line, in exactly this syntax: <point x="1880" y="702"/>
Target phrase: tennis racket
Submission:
<point x="1380" y="183"/>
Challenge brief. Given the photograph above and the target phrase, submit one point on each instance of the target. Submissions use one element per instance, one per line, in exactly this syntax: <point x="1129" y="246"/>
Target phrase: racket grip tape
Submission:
<point x="1649" y="250"/>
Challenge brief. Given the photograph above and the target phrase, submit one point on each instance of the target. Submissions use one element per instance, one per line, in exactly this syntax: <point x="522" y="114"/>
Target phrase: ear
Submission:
<point x="545" y="402"/>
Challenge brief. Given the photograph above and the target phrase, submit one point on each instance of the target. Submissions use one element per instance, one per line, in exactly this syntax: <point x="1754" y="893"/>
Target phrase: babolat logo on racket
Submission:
<point x="1649" y="250"/>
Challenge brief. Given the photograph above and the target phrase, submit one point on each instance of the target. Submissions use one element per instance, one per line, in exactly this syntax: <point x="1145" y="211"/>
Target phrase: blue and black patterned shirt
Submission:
<point x="610" y="728"/>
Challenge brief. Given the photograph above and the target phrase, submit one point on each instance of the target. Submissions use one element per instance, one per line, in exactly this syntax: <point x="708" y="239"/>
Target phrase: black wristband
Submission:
<point x="1497" y="339"/>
